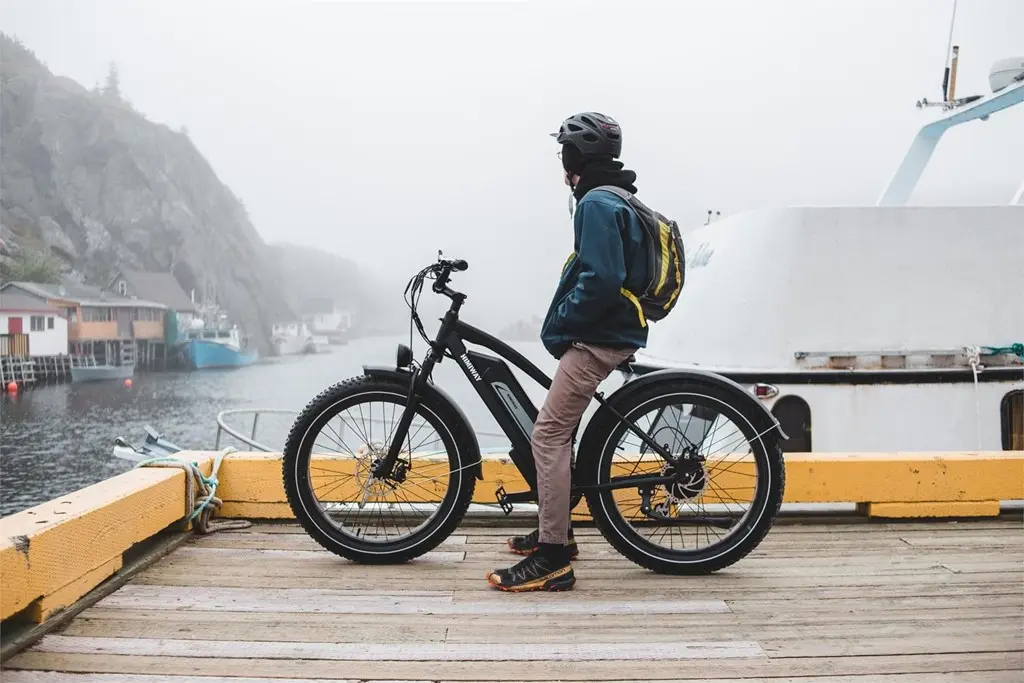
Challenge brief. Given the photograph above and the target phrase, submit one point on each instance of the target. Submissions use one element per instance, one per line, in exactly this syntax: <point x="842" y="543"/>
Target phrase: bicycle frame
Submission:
<point x="504" y="397"/>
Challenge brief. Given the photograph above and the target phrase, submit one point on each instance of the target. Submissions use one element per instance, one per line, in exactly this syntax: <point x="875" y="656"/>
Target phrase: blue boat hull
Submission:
<point x="203" y="354"/>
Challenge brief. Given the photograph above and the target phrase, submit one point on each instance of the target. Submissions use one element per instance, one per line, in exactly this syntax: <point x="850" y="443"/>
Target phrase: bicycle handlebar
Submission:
<point x="443" y="270"/>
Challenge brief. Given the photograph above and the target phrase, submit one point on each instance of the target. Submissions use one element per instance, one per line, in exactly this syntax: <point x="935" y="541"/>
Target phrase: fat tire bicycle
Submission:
<point x="668" y="491"/>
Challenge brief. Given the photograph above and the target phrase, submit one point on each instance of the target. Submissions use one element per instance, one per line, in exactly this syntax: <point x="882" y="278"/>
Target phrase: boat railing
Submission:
<point x="224" y="428"/>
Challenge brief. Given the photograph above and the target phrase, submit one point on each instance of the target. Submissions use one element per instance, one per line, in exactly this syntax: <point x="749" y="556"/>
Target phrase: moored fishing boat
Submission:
<point x="218" y="347"/>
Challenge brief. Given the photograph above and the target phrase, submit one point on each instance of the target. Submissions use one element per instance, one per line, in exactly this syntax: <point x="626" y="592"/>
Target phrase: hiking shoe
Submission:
<point x="535" y="573"/>
<point x="524" y="545"/>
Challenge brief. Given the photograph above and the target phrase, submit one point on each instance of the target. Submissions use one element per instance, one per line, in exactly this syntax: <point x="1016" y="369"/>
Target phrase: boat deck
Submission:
<point x="839" y="602"/>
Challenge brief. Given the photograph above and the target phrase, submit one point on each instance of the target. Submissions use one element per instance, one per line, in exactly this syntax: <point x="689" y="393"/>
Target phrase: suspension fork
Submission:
<point x="386" y="467"/>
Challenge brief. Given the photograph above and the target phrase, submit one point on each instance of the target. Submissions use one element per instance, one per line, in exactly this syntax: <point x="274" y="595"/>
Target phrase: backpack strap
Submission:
<point x="614" y="189"/>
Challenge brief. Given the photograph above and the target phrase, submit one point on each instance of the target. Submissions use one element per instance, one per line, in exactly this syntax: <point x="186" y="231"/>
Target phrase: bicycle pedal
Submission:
<point x="503" y="500"/>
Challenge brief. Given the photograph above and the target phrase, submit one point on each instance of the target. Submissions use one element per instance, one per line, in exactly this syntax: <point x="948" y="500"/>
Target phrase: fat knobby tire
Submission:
<point x="296" y="461"/>
<point x="768" y="453"/>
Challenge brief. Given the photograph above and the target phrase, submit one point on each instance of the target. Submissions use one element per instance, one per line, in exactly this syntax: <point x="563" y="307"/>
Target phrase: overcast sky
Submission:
<point x="383" y="131"/>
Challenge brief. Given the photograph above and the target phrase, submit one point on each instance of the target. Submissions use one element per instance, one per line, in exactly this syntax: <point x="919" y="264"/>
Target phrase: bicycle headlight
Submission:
<point x="403" y="356"/>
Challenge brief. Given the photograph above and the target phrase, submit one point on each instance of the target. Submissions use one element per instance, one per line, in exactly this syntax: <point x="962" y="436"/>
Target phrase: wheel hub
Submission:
<point x="690" y="479"/>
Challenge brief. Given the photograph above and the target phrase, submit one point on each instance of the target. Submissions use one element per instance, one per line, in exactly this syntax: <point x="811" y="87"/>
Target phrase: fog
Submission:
<point x="384" y="131"/>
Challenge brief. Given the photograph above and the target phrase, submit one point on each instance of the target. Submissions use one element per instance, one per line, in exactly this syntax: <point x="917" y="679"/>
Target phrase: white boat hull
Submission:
<point x="290" y="345"/>
<point x="96" y="373"/>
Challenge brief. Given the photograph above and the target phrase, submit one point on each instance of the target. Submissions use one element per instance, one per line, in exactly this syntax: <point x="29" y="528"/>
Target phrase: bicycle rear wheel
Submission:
<point x="729" y="480"/>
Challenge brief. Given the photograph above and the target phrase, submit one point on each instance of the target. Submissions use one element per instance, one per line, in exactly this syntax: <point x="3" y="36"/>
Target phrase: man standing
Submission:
<point x="594" y="323"/>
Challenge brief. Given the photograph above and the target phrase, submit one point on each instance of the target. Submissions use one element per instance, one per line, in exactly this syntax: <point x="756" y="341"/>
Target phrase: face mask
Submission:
<point x="572" y="203"/>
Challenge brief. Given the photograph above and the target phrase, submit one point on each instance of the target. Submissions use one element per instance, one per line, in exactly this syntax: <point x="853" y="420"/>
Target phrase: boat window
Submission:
<point x="794" y="415"/>
<point x="1012" y="409"/>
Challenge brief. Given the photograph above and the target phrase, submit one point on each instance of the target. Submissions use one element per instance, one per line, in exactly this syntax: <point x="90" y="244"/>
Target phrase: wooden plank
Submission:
<point x="858" y="639"/>
<point x="119" y="622"/>
<point x="59" y="677"/>
<point x="759" y="605"/>
<point x="630" y="584"/>
<point x="74" y="542"/>
<point x="313" y="565"/>
<point x="406" y="652"/>
<point x="44" y="607"/>
<point x="1008" y="639"/>
<point x="17" y="636"/>
<point x="285" y="628"/>
<point x="700" y="670"/>
<point x="529" y="629"/>
<point x="344" y="602"/>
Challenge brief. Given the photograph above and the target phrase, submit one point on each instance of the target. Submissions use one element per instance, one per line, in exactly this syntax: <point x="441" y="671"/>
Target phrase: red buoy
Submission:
<point x="12" y="387"/>
<point x="128" y="383"/>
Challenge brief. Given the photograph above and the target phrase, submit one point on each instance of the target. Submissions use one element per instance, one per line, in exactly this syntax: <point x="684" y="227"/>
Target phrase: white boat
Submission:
<point x="292" y="338"/>
<point x="868" y="328"/>
<point x="320" y="343"/>
<point x="118" y="365"/>
<point x="155" y="446"/>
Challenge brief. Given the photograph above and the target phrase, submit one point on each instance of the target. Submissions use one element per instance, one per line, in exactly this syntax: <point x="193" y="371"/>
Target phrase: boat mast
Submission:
<point x="949" y="47"/>
<point x="963" y="110"/>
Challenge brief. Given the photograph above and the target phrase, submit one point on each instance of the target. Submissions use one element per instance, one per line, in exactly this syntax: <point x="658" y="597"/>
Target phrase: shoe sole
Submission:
<point x="559" y="585"/>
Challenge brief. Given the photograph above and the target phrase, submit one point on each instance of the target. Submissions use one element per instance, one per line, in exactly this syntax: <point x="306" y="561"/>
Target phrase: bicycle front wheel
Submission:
<point x="329" y="458"/>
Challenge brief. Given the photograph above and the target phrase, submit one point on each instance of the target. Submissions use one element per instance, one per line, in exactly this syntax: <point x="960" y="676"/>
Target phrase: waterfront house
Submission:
<point x="162" y="288"/>
<point x="31" y="327"/>
<point x="100" y="324"/>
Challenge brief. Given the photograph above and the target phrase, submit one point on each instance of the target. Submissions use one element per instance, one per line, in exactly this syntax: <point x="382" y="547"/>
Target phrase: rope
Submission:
<point x="974" y="358"/>
<point x="200" y="511"/>
<point x="1016" y="349"/>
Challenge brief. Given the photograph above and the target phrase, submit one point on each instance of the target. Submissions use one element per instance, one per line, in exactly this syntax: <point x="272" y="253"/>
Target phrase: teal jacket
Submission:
<point x="593" y="302"/>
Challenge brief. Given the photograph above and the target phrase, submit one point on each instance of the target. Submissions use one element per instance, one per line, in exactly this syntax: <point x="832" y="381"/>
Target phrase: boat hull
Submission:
<point x="202" y="354"/>
<point x="290" y="345"/>
<point x="98" y="373"/>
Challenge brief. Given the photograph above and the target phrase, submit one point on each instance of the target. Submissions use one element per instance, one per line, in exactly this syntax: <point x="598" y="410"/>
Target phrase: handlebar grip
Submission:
<point x="459" y="265"/>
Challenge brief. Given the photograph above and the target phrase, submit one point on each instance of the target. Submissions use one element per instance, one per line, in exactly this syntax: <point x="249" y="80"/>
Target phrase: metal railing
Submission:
<point x="250" y="440"/>
<point x="223" y="427"/>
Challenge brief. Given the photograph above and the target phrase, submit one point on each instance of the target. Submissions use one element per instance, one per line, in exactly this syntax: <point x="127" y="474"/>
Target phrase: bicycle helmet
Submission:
<point x="595" y="135"/>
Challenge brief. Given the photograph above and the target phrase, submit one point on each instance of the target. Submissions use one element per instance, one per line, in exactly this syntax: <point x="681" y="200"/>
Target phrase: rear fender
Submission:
<point x="761" y="417"/>
<point x="436" y="393"/>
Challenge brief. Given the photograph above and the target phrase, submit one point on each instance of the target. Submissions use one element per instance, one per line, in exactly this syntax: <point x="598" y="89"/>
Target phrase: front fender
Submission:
<point x="439" y="394"/>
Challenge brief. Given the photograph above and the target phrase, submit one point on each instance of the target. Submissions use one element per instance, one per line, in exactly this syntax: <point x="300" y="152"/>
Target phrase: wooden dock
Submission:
<point x="28" y="370"/>
<point x="840" y="602"/>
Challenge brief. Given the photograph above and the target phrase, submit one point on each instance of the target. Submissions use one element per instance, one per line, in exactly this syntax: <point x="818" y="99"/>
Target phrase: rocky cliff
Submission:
<point x="86" y="177"/>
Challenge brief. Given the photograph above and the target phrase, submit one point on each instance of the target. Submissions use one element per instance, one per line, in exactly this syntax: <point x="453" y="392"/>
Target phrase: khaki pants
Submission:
<point x="580" y="370"/>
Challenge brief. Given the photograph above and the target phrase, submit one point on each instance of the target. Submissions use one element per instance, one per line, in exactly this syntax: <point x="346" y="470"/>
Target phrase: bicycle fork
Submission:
<point x="385" y="467"/>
